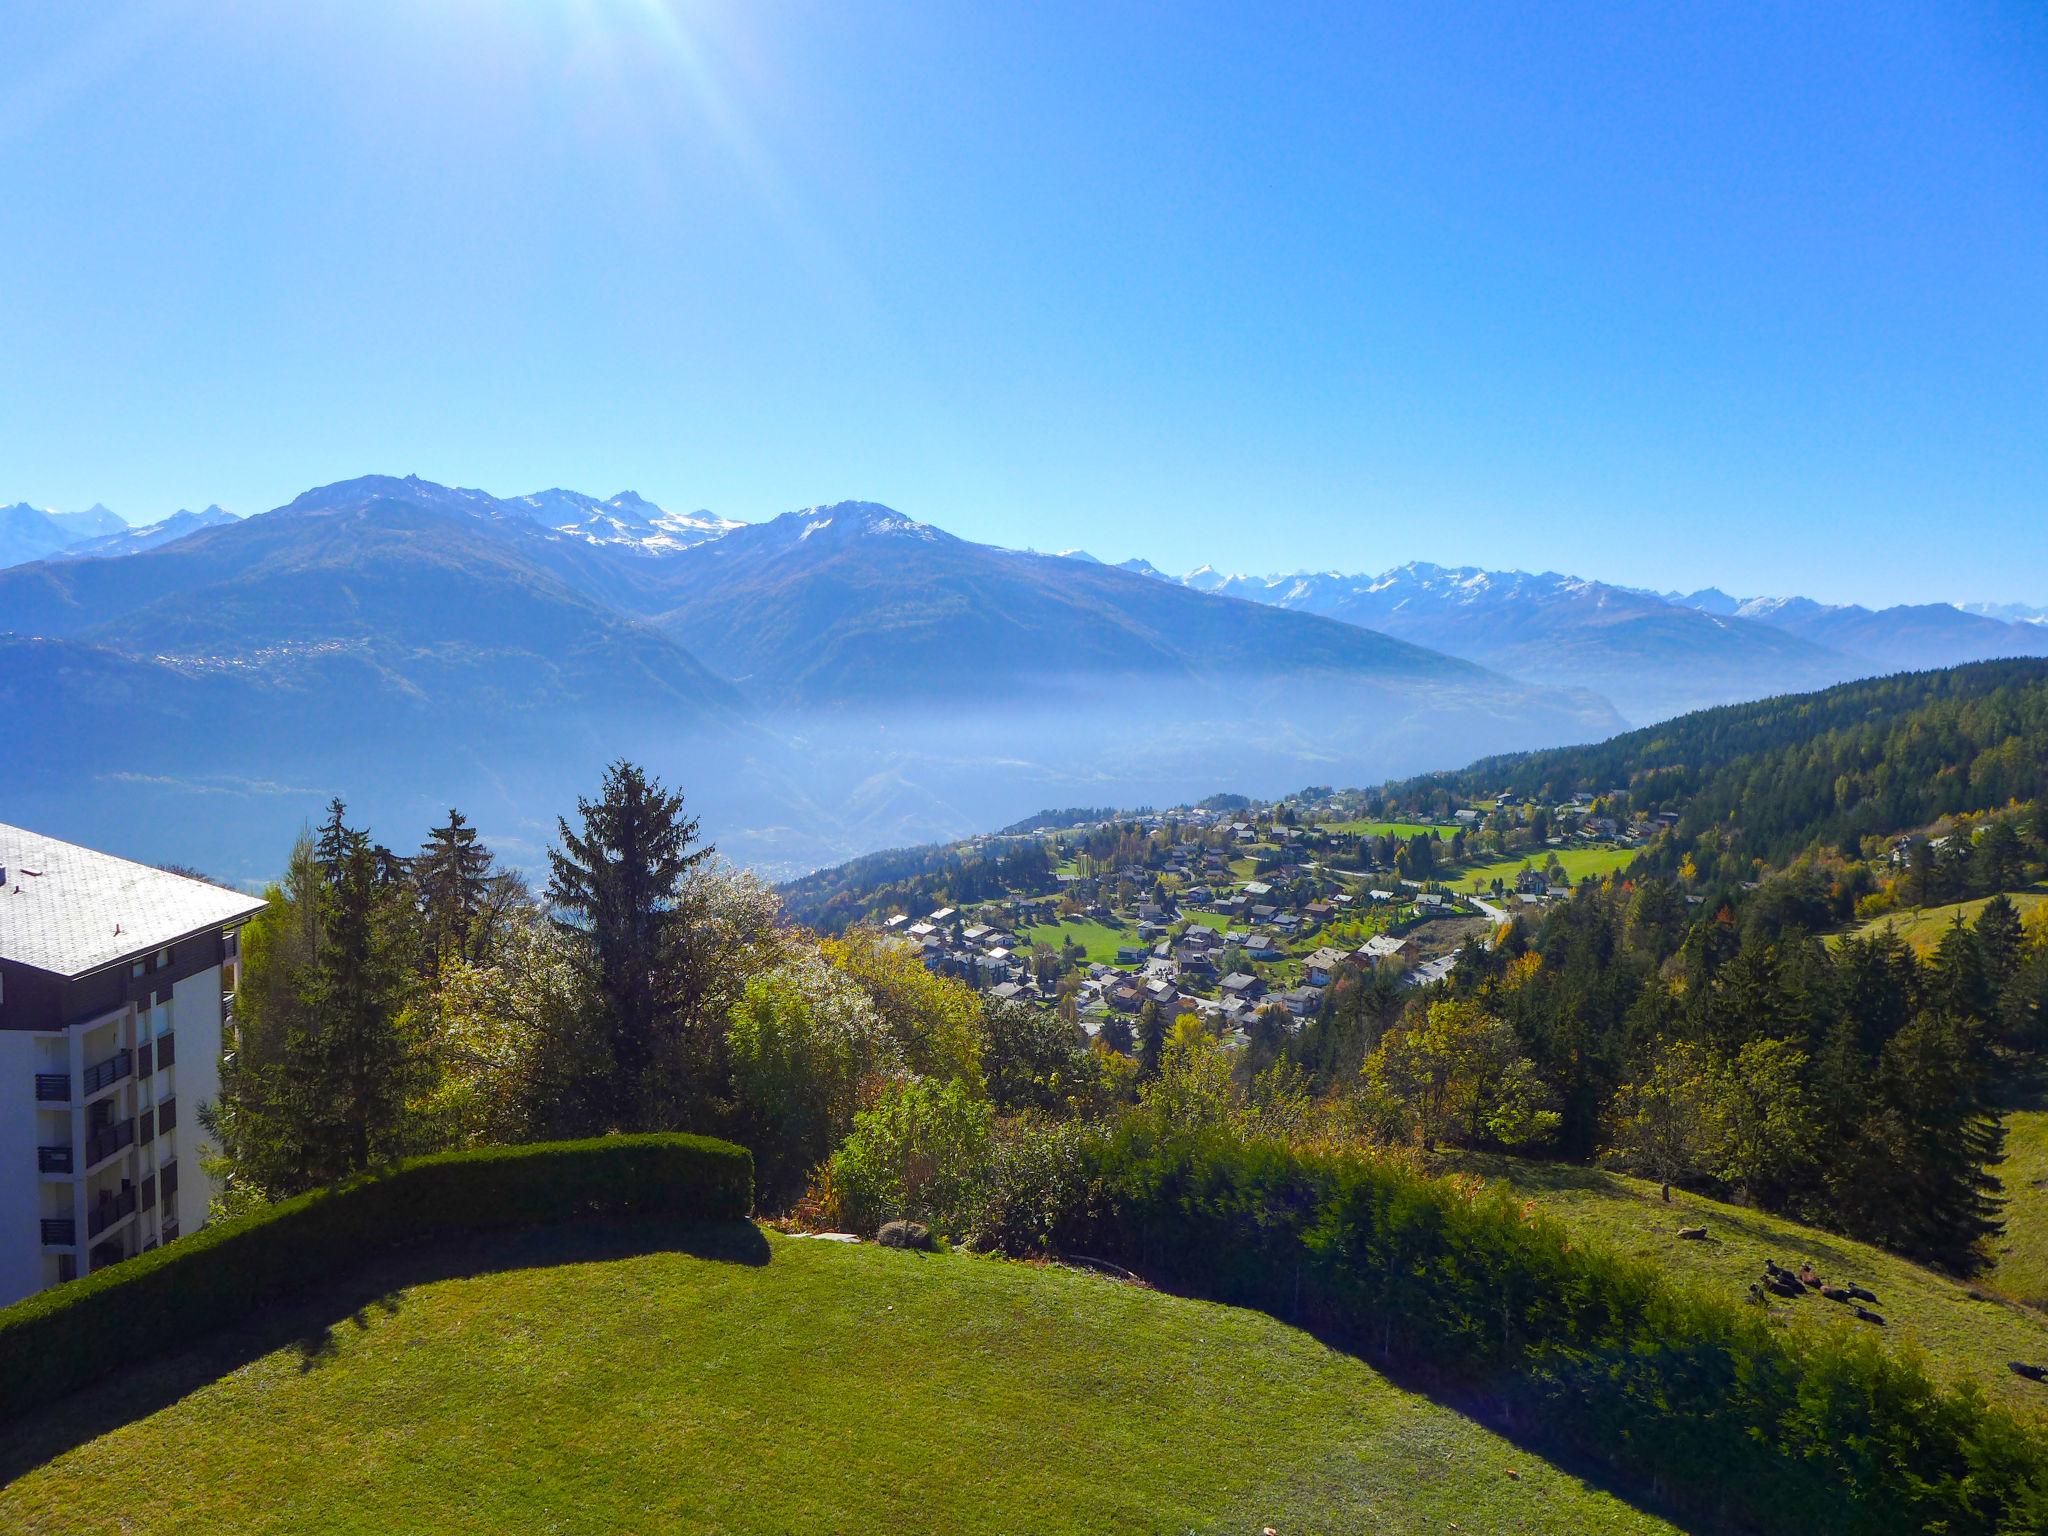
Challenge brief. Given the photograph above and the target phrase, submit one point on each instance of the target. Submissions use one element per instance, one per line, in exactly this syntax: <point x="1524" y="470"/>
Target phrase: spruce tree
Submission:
<point x="452" y="874"/>
<point x="352" y="1058"/>
<point x="617" y="888"/>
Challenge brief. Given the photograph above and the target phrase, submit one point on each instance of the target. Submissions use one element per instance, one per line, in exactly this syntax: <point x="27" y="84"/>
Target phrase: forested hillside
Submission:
<point x="1862" y="759"/>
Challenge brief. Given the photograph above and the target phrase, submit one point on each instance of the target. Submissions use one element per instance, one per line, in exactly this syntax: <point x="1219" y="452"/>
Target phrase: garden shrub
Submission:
<point x="60" y="1339"/>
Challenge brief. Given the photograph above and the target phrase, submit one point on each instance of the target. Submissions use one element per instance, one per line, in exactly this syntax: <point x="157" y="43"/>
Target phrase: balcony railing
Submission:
<point x="111" y="1209"/>
<point x="107" y="1140"/>
<point x="145" y="1129"/>
<point x="145" y="1059"/>
<point x="53" y="1087"/>
<point x="112" y="1070"/>
<point x="166" y="1117"/>
<point x="166" y="1051"/>
<point x="59" y="1232"/>
<point x="53" y="1159"/>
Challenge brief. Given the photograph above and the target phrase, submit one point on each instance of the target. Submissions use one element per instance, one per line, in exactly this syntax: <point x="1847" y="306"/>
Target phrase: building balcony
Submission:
<point x="53" y="1087"/>
<point x="104" y="1074"/>
<point x="111" y="1209"/>
<point x="166" y="1050"/>
<point x="54" y="1159"/>
<point x="60" y="1232"/>
<point x="106" y="1141"/>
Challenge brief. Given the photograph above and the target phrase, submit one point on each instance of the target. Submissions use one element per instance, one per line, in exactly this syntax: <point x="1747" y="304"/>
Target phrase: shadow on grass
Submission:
<point x="309" y="1324"/>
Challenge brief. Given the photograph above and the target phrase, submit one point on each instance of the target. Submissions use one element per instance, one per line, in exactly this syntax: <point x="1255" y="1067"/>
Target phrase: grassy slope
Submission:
<point x="1962" y="1338"/>
<point x="1101" y="941"/>
<point x="1923" y="927"/>
<point x="2021" y="1270"/>
<point x="1577" y="862"/>
<point x="1384" y="828"/>
<point x="810" y="1387"/>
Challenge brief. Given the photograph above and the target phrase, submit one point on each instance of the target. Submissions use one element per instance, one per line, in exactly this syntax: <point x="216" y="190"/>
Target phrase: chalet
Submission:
<point x="1240" y="984"/>
<point x="1382" y="947"/>
<point x="1321" y="967"/>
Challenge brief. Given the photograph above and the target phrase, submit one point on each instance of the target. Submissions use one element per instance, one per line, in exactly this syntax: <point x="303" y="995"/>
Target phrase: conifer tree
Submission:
<point x="617" y="887"/>
<point x="452" y="874"/>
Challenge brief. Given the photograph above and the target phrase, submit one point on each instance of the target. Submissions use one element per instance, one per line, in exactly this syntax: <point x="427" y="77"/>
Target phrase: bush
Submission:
<point x="1692" y="1396"/>
<point x="921" y="1154"/>
<point x="60" y="1339"/>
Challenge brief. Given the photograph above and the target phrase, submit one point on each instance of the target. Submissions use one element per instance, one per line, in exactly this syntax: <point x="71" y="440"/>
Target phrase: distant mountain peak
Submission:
<point x="843" y="521"/>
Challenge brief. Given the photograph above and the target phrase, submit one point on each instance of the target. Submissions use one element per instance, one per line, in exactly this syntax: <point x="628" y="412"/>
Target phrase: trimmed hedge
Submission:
<point x="1693" y="1398"/>
<point x="62" y="1338"/>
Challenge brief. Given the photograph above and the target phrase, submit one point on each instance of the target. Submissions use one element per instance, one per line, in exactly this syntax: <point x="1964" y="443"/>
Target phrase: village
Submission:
<point x="1235" y="911"/>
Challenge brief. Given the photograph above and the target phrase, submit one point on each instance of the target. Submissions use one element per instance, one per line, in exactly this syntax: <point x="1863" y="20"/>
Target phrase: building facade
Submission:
<point x="116" y="984"/>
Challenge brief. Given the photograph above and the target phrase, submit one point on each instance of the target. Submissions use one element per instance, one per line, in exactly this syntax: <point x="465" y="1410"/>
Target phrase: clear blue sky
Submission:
<point x="1669" y="294"/>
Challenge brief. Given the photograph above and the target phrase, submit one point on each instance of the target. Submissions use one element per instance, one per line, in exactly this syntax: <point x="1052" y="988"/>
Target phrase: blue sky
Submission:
<point x="1670" y="295"/>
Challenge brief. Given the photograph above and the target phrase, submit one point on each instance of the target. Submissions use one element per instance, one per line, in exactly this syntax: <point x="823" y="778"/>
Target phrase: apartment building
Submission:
<point x="116" y="981"/>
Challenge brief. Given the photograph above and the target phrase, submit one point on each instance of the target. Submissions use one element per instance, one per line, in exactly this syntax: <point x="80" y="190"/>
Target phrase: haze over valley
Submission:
<point x="835" y="680"/>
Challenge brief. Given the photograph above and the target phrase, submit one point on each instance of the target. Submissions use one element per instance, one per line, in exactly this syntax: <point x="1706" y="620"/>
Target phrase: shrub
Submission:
<point x="920" y="1153"/>
<point x="60" y="1339"/>
<point x="1693" y="1396"/>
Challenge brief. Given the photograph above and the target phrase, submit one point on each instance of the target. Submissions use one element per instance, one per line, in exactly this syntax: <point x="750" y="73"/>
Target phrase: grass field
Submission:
<point x="1100" y="940"/>
<point x="1961" y="1337"/>
<point x="1578" y="863"/>
<point x="568" y="1382"/>
<point x="1923" y="928"/>
<point x="1384" y="828"/>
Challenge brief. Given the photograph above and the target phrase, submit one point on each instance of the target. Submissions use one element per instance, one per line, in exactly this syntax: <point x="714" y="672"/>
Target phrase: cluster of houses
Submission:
<point x="1203" y="934"/>
<point x="1189" y="956"/>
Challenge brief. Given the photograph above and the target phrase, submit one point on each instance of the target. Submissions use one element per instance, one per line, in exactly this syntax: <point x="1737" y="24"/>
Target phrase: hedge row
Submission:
<point x="1696" y="1399"/>
<point x="60" y="1339"/>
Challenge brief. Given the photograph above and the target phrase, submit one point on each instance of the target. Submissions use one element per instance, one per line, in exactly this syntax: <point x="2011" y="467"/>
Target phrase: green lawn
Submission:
<point x="565" y="1382"/>
<point x="1578" y="863"/>
<point x="1100" y="940"/>
<point x="1384" y="828"/>
<point x="1923" y="927"/>
<point x="1961" y="1337"/>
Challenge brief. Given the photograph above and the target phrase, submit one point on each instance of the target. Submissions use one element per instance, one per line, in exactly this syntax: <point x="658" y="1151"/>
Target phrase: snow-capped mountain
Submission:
<point x="2012" y="613"/>
<point x="1651" y="657"/>
<point x="627" y="520"/>
<point x="1907" y="636"/>
<point x="129" y="541"/>
<point x="37" y="533"/>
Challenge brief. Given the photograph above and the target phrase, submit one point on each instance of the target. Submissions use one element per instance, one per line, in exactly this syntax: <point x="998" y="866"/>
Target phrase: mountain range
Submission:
<point x="822" y="683"/>
<point x="826" y="682"/>
<point x="1654" y="655"/>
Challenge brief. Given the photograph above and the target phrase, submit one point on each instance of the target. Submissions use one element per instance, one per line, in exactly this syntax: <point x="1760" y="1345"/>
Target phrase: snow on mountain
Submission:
<point x="2011" y="613"/>
<point x="149" y="535"/>
<point x="627" y="520"/>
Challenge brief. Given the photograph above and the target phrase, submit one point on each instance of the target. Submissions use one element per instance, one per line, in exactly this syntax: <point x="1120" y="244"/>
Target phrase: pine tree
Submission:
<point x="617" y="887"/>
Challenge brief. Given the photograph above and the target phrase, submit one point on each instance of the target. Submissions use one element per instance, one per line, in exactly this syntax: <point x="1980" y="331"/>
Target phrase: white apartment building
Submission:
<point x="115" y="984"/>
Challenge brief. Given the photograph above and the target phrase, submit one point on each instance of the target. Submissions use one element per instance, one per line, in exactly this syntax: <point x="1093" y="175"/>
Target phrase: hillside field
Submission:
<point x="1923" y="927"/>
<point x="569" y="1382"/>
<point x="1961" y="1337"/>
<point x="1100" y="940"/>
<point x="1578" y="863"/>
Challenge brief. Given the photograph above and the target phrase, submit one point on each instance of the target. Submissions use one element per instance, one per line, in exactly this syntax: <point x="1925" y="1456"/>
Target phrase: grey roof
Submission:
<point x="70" y="910"/>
